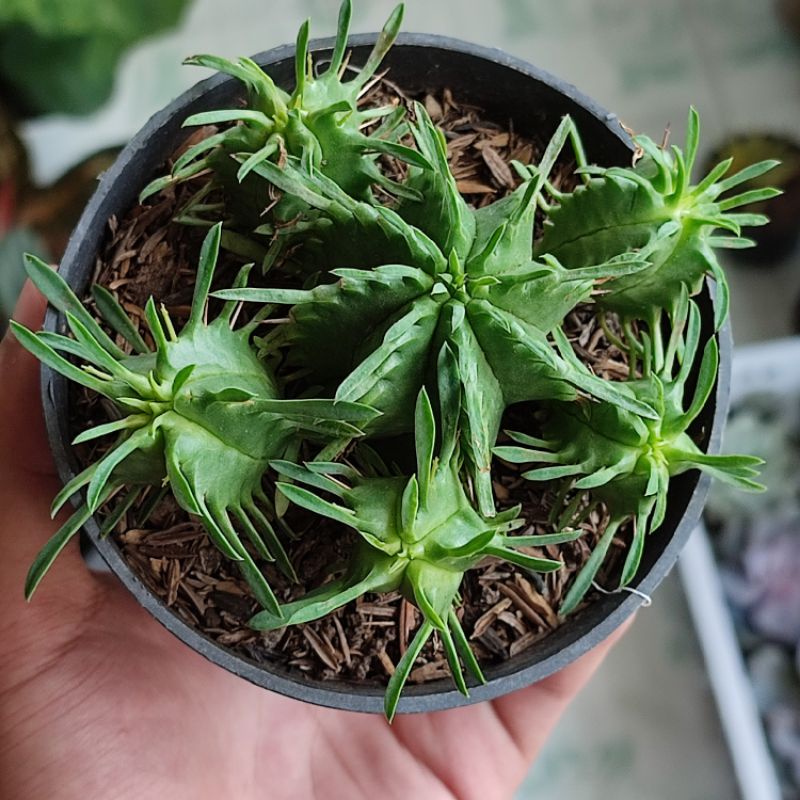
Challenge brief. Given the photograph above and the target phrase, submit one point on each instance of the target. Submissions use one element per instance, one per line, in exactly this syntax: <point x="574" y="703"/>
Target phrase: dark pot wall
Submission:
<point x="506" y="88"/>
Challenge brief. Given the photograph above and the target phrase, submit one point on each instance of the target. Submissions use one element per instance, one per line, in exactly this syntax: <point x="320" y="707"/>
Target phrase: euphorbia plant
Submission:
<point x="469" y="280"/>
<point x="320" y="122"/>
<point x="625" y="461"/>
<point x="419" y="533"/>
<point x="198" y="410"/>
<point x="395" y="297"/>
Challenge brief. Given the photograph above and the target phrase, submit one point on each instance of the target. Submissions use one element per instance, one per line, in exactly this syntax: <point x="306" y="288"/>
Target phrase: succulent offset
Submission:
<point x="411" y="315"/>
<point x="200" y="412"/>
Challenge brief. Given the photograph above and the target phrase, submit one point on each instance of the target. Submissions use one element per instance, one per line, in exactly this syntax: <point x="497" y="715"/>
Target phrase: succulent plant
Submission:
<point x="483" y="294"/>
<point x="653" y="207"/>
<point x="199" y="411"/>
<point x="626" y="461"/>
<point x="320" y="123"/>
<point x="396" y="297"/>
<point x="419" y="534"/>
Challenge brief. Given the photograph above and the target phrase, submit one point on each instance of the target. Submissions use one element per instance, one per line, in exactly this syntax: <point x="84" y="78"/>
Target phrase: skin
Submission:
<point x="98" y="700"/>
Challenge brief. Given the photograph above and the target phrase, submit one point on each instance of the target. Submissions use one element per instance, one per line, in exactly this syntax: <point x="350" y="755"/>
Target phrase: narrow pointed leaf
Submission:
<point x="403" y="670"/>
<point x="117" y="318"/>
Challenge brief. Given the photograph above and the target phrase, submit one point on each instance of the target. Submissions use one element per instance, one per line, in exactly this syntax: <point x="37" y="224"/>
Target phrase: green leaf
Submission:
<point x="409" y="506"/>
<point x="35" y="345"/>
<point x="342" y="28"/>
<point x="310" y="501"/>
<point x="209" y="253"/>
<point x="749" y="173"/>
<point x="325" y="599"/>
<point x="542" y="539"/>
<point x="552" y="473"/>
<point x="692" y="139"/>
<point x="318" y="410"/>
<point x="382" y="46"/>
<point x="77" y="482"/>
<point x="523" y="455"/>
<point x="635" y="550"/>
<point x="587" y="574"/>
<point x="449" y="385"/>
<point x="482" y="405"/>
<point x="523" y="560"/>
<point x="251" y="162"/>
<point x="117" y="318"/>
<point x="706" y="380"/>
<point x="105" y="467"/>
<point x="453" y="661"/>
<point x="425" y="436"/>
<point x="463" y="646"/>
<point x="308" y="476"/>
<point x="300" y="62"/>
<point x="403" y="670"/>
<point x="258" y="584"/>
<point x="229" y="115"/>
<point x="60" y="296"/>
<point x="474" y="546"/>
<point x="133" y="421"/>
<point x="48" y="554"/>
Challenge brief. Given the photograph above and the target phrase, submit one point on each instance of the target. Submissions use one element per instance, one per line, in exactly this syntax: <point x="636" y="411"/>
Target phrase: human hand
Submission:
<point x="98" y="701"/>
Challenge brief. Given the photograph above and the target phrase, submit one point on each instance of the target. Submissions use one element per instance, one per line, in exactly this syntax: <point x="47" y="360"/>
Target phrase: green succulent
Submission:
<point x="418" y="534"/>
<point x="319" y="122"/>
<point x="485" y="297"/>
<point x="654" y="208"/>
<point x="199" y="412"/>
<point x="626" y="461"/>
<point x="394" y="297"/>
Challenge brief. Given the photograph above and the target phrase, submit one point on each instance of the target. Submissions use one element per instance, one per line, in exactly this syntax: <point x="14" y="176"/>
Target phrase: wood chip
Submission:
<point x="512" y="621"/>
<point x="498" y="167"/>
<point x="197" y="600"/>
<point x="475" y="187"/>
<point x="429" y="672"/>
<point x="386" y="662"/>
<point x="319" y="647"/>
<point x="375" y="610"/>
<point x="536" y="600"/>
<point x="522" y="644"/>
<point x="235" y="637"/>
<point x="173" y="581"/>
<point x="487" y="619"/>
<point x="406" y="623"/>
<point x="433" y="107"/>
<point x="519" y="601"/>
<point x="342" y="641"/>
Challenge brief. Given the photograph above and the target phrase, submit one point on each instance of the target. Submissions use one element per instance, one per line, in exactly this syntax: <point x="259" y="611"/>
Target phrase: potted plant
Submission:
<point x="409" y="318"/>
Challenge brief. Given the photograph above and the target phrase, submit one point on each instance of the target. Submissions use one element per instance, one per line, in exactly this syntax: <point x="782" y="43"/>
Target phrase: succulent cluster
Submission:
<point x="406" y="316"/>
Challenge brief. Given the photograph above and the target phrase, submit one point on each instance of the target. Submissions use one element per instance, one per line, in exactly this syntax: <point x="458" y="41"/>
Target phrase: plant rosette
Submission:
<point x="399" y="310"/>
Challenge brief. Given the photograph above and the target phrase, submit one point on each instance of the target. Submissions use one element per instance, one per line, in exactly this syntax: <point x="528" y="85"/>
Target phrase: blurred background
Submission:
<point x="78" y="78"/>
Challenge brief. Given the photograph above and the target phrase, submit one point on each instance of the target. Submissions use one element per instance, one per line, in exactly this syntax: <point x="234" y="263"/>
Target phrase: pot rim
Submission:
<point x="346" y="695"/>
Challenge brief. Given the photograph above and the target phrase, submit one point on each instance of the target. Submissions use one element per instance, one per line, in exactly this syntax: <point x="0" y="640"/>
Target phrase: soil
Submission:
<point x="505" y="609"/>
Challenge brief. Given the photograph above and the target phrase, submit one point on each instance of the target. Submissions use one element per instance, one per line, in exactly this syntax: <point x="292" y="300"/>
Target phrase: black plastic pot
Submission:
<point x="506" y="88"/>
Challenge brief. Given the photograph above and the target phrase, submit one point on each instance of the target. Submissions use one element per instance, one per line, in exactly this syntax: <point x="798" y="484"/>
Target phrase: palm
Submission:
<point x="97" y="700"/>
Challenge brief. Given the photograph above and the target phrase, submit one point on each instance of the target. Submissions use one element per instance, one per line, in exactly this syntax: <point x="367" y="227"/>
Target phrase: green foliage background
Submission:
<point x="61" y="55"/>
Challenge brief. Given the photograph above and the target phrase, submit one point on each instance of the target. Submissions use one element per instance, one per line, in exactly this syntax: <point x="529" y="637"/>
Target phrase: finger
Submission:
<point x="23" y="441"/>
<point x="530" y="715"/>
